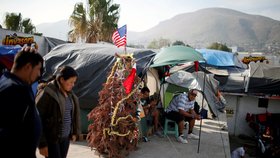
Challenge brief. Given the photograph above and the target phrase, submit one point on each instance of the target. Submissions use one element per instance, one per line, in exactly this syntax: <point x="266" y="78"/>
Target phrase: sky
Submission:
<point x="139" y="15"/>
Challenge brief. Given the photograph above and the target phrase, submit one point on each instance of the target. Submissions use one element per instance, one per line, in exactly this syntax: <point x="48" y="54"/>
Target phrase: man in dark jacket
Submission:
<point x="20" y="124"/>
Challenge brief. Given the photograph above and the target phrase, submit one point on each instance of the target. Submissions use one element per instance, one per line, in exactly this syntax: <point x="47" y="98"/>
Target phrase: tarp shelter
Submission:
<point x="220" y="58"/>
<point x="227" y="69"/>
<point x="263" y="79"/>
<point x="7" y="54"/>
<point x="174" y="55"/>
<point x="260" y="79"/>
<point x="170" y="57"/>
<point x="93" y="62"/>
<point x="196" y="80"/>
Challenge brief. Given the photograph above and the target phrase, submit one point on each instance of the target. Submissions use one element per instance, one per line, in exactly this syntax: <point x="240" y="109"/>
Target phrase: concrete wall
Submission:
<point x="239" y="106"/>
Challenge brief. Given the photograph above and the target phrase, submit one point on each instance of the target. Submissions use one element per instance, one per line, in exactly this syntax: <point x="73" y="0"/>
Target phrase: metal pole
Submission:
<point x="202" y="107"/>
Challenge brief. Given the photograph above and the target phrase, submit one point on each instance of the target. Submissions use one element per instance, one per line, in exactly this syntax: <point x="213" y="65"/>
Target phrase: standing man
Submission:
<point x="20" y="124"/>
<point x="181" y="109"/>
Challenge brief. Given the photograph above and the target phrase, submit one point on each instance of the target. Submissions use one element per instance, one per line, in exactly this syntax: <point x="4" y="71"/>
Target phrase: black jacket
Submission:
<point x="20" y="124"/>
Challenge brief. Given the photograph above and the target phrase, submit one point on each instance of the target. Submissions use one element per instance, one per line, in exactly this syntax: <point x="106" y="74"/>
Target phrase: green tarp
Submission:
<point x="176" y="55"/>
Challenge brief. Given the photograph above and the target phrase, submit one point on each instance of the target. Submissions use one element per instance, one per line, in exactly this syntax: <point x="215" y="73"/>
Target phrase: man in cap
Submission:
<point x="181" y="109"/>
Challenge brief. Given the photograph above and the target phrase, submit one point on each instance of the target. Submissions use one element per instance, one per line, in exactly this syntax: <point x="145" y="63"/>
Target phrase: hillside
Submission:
<point x="201" y="28"/>
<point x="57" y="30"/>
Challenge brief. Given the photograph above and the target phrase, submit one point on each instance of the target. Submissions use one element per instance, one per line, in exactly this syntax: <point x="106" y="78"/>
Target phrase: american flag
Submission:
<point x="119" y="37"/>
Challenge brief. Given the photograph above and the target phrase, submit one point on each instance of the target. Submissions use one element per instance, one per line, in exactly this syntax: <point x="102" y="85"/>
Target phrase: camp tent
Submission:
<point x="170" y="57"/>
<point x="260" y="79"/>
<point x="7" y="54"/>
<point x="220" y="58"/>
<point x="174" y="55"/>
<point x="93" y="63"/>
<point x="177" y="55"/>
<point x="196" y="80"/>
<point x="263" y="79"/>
<point x="227" y="69"/>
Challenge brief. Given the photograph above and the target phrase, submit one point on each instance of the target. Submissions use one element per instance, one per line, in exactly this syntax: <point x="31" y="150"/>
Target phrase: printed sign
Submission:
<point x="13" y="40"/>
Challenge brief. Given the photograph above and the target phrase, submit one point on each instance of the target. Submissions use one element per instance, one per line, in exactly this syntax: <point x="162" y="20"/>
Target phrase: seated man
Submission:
<point x="149" y="105"/>
<point x="181" y="109"/>
<point x="239" y="152"/>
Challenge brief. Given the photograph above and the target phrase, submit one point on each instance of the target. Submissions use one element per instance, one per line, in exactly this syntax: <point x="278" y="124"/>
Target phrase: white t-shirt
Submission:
<point x="237" y="153"/>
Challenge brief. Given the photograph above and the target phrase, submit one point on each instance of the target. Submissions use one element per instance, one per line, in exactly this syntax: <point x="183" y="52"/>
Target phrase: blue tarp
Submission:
<point x="217" y="57"/>
<point x="7" y="54"/>
<point x="5" y="50"/>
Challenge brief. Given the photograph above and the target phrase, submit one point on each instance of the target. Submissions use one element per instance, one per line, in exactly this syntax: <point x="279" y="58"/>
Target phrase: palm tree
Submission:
<point x="13" y="21"/>
<point x="28" y="27"/>
<point x="78" y="22"/>
<point x="94" y="23"/>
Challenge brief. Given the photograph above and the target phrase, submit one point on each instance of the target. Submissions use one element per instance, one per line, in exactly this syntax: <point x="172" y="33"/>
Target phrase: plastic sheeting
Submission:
<point x="7" y="54"/>
<point x="176" y="55"/>
<point x="263" y="79"/>
<point x="261" y="70"/>
<point x="93" y="63"/>
<point x="220" y="58"/>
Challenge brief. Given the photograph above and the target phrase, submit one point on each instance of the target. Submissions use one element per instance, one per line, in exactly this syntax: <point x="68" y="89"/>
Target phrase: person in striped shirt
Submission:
<point x="181" y="109"/>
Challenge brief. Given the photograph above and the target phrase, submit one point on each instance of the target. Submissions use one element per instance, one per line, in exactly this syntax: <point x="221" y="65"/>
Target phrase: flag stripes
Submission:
<point x="119" y="37"/>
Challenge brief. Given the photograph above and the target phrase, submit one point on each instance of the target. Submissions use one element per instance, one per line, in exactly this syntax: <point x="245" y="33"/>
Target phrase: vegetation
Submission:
<point x="94" y="22"/>
<point x="135" y="46"/>
<point x="219" y="46"/>
<point x="15" y="22"/>
<point x="38" y="34"/>
<point x="181" y="43"/>
<point x="157" y="44"/>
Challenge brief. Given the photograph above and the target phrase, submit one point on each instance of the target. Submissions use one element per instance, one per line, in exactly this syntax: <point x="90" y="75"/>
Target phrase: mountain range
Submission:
<point x="199" y="29"/>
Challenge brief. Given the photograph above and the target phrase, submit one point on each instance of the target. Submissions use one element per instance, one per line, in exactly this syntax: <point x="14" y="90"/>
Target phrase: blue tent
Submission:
<point x="219" y="58"/>
<point x="5" y="50"/>
<point x="7" y="54"/>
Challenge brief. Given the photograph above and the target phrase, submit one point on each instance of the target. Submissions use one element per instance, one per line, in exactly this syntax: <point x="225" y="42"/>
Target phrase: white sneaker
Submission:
<point x="182" y="140"/>
<point x="193" y="136"/>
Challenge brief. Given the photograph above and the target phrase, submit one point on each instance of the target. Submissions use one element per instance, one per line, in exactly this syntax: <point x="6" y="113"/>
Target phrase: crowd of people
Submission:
<point x="50" y="119"/>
